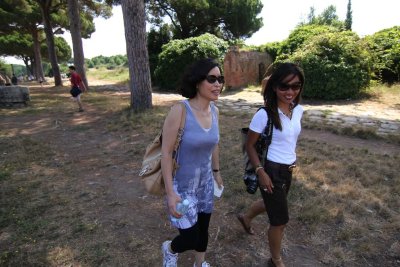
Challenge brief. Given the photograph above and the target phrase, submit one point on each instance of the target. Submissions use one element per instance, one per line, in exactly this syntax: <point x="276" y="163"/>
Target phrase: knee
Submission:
<point x="278" y="228"/>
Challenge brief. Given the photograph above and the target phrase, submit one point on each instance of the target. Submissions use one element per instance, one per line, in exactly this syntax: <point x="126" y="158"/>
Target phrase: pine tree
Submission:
<point x="349" y="17"/>
<point x="136" y="45"/>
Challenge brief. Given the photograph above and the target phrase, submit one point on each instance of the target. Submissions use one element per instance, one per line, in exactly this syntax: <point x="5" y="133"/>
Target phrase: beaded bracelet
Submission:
<point x="259" y="167"/>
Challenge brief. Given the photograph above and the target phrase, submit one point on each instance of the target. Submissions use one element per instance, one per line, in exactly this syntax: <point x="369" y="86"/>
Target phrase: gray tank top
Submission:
<point x="194" y="179"/>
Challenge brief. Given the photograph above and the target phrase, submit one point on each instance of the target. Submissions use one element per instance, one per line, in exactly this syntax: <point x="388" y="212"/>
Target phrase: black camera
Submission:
<point x="251" y="181"/>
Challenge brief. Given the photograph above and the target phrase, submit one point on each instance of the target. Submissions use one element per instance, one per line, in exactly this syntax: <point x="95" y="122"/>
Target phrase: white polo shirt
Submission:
<point x="283" y="146"/>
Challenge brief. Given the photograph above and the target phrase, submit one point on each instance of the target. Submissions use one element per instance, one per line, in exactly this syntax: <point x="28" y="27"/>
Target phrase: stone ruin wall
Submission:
<point x="14" y="96"/>
<point x="243" y="68"/>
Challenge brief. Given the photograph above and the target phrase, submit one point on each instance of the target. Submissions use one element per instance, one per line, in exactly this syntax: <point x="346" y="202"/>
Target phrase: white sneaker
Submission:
<point x="203" y="264"/>
<point x="170" y="259"/>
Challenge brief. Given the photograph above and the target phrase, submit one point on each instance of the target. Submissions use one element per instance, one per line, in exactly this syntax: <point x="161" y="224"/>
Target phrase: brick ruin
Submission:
<point x="243" y="68"/>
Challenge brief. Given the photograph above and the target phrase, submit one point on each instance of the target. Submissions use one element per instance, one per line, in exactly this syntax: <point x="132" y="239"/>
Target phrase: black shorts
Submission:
<point x="75" y="91"/>
<point x="276" y="203"/>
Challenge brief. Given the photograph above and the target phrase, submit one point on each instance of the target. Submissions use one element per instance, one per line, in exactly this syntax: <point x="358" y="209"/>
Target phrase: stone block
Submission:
<point x="14" y="95"/>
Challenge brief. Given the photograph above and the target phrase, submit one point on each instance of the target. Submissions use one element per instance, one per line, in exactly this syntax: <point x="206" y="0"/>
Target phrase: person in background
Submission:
<point x="2" y="81"/>
<point x="281" y="97"/>
<point x="8" y="80"/>
<point x="14" y="79"/>
<point x="198" y="161"/>
<point x="77" y="87"/>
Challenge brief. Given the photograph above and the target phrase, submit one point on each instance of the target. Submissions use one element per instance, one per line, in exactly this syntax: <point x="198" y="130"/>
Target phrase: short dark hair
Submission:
<point x="72" y="67"/>
<point x="194" y="74"/>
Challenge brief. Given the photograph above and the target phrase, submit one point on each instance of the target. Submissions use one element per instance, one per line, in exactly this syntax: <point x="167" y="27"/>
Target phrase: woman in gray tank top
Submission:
<point x="198" y="160"/>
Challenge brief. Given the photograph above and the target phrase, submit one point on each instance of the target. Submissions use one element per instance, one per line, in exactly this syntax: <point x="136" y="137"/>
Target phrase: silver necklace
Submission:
<point x="289" y="114"/>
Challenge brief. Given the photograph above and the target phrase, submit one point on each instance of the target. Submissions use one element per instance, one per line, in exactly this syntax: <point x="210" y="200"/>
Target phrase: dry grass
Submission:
<point x="116" y="75"/>
<point x="345" y="199"/>
<point x="349" y="195"/>
<point x="345" y="202"/>
<point x="389" y="96"/>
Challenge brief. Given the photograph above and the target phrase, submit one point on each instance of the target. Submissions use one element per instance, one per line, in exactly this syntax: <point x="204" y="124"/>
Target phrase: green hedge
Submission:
<point x="336" y="66"/>
<point x="385" y="49"/>
<point x="302" y="35"/>
<point x="178" y="54"/>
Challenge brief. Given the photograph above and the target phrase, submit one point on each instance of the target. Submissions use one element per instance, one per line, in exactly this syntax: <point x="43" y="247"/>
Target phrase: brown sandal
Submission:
<point x="248" y="229"/>
<point x="271" y="262"/>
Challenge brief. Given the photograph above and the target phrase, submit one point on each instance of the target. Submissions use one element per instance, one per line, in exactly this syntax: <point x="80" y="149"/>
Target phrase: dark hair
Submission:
<point x="279" y="72"/>
<point x="194" y="74"/>
<point x="71" y="67"/>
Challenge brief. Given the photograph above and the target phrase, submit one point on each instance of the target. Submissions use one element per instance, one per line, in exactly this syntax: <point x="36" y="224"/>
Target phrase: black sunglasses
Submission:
<point x="286" y="86"/>
<point x="212" y="79"/>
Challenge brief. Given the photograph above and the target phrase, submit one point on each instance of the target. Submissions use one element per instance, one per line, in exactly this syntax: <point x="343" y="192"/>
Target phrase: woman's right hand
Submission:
<point x="173" y="199"/>
<point x="264" y="181"/>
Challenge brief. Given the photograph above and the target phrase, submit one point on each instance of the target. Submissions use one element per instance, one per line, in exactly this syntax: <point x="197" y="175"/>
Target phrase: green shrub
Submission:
<point x="156" y="38"/>
<point x="273" y="49"/>
<point x="336" y="66"/>
<point x="302" y="35"/>
<point x="178" y="54"/>
<point x="385" y="49"/>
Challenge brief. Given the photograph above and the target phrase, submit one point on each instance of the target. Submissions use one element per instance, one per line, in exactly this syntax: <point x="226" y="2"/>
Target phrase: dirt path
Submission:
<point x="104" y="187"/>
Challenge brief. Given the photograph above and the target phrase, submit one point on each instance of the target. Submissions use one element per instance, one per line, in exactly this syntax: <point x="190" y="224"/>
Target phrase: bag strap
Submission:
<point x="267" y="139"/>
<point x="268" y="129"/>
<point x="180" y="130"/>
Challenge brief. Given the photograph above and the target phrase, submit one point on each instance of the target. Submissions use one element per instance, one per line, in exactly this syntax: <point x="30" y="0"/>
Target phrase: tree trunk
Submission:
<point x="44" y="7"/>
<point x="75" y="29"/>
<point x="138" y="59"/>
<point x="28" y="66"/>
<point x="38" y="68"/>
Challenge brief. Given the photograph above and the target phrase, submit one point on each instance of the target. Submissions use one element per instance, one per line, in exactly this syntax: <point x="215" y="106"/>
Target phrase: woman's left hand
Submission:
<point x="218" y="179"/>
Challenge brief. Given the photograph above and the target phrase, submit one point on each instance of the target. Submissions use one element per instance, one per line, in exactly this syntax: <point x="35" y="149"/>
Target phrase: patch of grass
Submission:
<point x="81" y="128"/>
<point x="385" y="93"/>
<point x="117" y="75"/>
<point x="395" y="139"/>
<point x="326" y="113"/>
<point x="107" y="100"/>
<point x="360" y="133"/>
<point x="82" y="227"/>
<point x="342" y="188"/>
<point x="149" y="122"/>
<point x="347" y="234"/>
<point x="4" y="175"/>
<point x="363" y="133"/>
<point x="243" y="92"/>
<point x="314" y="214"/>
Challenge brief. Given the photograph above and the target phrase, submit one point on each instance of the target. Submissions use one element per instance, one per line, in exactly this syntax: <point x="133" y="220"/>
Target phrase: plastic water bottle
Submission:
<point x="181" y="208"/>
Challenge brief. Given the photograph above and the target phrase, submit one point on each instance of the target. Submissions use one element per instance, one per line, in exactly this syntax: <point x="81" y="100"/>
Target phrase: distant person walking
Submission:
<point x="77" y="87"/>
<point x="2" y="81"/>
<point x="14" y="80"/>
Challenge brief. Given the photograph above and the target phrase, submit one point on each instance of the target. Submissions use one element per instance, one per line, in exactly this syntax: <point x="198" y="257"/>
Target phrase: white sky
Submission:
<point x="280" y="18"/>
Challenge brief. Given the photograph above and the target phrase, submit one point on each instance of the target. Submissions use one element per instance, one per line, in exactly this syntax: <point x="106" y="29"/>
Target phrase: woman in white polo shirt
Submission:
<point x="282" y="95"/>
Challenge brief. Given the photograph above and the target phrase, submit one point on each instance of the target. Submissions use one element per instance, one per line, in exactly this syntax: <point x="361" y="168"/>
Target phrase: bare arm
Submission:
<point x="215" y="162"/>
<point x="170" y="131"/>
<point x="83" y="86"/>
<point x="215" y="166"/>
